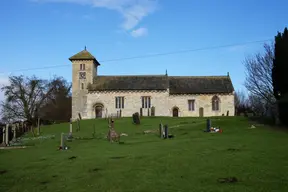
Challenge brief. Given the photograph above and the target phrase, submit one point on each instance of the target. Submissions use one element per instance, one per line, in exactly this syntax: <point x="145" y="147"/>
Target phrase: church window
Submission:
<point x="215" y="103"/>
<point x="82" y="85"/>
<point x="191" y="105"/>
<point x="146" y="102"/>
<point x="119" y="102"/>
<point x="82" y="66"/>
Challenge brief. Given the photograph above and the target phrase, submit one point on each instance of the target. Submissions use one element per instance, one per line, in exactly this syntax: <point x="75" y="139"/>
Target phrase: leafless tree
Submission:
<point x="24" y="96"/>
<point x="258" y="82"/>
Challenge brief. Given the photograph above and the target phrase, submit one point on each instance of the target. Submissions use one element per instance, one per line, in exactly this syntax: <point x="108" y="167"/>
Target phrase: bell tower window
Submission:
<point x="82" y="67"/>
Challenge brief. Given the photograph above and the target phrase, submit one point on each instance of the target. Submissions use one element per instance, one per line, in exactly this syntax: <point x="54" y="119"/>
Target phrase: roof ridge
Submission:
<point x="129" y="75"/>
<point x="209" y="76"/>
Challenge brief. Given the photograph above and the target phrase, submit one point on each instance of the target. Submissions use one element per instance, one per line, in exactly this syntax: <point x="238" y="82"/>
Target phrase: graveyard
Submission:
<point x="240" y="156"/>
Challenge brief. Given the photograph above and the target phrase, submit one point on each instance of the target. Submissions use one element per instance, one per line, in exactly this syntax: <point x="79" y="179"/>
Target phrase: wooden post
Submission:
<point x="7" y="135"/>
<point x="38" y="133"/>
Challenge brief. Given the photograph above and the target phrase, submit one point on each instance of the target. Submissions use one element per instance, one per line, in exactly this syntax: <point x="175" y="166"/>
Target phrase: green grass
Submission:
<point x="192" y="161"/>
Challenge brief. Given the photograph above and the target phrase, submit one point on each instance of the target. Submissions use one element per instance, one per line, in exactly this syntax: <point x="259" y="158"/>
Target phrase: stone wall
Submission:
<point x="79" y="95"/>
<point x="161" y="100"/>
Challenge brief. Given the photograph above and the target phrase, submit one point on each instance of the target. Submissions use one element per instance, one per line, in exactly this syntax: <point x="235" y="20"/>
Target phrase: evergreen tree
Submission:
<point x="279" y="74"/>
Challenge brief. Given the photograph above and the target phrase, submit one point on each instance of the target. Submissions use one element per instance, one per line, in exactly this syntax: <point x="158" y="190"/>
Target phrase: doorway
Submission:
<point x="175" y="112"/>
<point x="98" y="110"/>
<point x="201" y="112"/>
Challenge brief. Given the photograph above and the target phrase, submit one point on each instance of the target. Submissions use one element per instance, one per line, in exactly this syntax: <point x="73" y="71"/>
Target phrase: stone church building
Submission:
<point x="96" y="96"/>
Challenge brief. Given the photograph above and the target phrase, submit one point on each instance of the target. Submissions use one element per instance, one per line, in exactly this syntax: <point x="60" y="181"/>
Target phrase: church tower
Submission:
<point x="84" y="69"/>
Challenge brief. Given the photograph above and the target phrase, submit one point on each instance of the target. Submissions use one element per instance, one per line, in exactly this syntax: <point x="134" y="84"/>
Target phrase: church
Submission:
<point x="97" y="96"/>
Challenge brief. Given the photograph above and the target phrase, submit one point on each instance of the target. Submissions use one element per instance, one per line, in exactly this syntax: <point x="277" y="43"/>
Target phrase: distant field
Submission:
<point x="192" y="161"/>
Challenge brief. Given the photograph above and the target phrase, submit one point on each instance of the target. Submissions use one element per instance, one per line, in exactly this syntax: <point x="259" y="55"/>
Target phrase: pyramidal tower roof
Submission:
<point x="83" y="55"/>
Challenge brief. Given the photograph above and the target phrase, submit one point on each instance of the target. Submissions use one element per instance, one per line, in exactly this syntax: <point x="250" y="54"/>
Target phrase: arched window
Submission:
<point x="215" y="103"/>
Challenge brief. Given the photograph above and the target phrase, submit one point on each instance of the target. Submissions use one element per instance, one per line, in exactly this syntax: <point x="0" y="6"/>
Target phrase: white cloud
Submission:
<point x="139" y="32"/>
<point x="133" y="11"/>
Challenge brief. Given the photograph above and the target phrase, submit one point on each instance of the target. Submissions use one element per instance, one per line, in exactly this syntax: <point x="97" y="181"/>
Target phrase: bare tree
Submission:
<point x="258" y="82"/>
<point x="24" y="97"/>
<point x="241" y="102"/>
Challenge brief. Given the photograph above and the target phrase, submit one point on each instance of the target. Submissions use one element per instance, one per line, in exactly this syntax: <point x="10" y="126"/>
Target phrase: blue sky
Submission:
<point x="43" y="33"/>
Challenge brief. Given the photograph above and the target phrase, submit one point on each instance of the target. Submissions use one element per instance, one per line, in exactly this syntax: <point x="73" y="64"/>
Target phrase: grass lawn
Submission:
<point x="192" y="161"/>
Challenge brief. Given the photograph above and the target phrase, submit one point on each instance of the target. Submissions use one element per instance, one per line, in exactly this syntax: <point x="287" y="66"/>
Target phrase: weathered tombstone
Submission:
<point x="136" y="118"/>
<point x="62" y="141"/>
<point x="148" y="112"/>
<point x="38" y="126"/>
<point x="79" y="116"/>
<point x="78" y="125"/>
<point x="4" y="136"/>
<point x="208" y="125"/>
<point x="71" y="126"/>
<point x="227" y="114"/>
<point x="14" y="132"/>
<point x="7" y="135"/>
<point x="166" y="131"/>
<point x="141" y="112"/>
<point x="153" y="111"/>
<point x="120" y="113"/>
<point x="161" y="130"/>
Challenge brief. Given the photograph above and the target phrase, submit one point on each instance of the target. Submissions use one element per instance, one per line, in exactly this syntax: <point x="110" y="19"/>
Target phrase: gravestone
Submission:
<point x="7" y="135"/>
<point x="4" y="136"/>
<point x="71" y="126"/>
<point x="161" y="130"/>
<point x="153" y="111"/>
<point x="136" y="118"/>
<point x="78" y="125"/>
<point x="208" y="125"/>
<point x="166" y="131"/>
<point x="14" y="128"/>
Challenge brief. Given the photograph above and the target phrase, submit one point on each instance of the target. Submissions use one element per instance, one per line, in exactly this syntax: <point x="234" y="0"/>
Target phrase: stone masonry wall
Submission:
<point x="162" y="101"/>
<point x="79" y="95"/>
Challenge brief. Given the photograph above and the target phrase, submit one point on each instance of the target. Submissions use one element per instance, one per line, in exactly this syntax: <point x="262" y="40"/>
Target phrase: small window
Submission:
<point x="119" y="102"/>
<point x="215" y="103"/>
<point x="82" y="66"/>
<point x="146" y="102"/>
<point x="82" y="85"/>
<point x="191" y="105"/>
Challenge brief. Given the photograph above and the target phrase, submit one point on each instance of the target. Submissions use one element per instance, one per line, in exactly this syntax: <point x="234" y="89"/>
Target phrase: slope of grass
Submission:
<point x="192" y="161"/>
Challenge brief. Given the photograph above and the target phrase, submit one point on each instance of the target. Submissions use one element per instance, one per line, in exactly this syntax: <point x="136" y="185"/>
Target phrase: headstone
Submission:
<point x="141" y="112"/>
<point x="62" y="141"/>
<point x="38" y="126"/>
<point x="160" y="130"/>
<point x="4" y="136"/>
<point x="166" y="131"/>
<point x="208" y="125"/>
<point x="71" y="126"/>
<point x="148" y="112"/>
<point x="120" y="113"/>
<point x="136" y="118"/>
<point x="153" y="111"/>
<point x="14" y="132"/>
<point x="227" y="114"/>
<point x="78" y="125"/>
<point x="7" y="135"/>
<point x="79" y="116"/>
